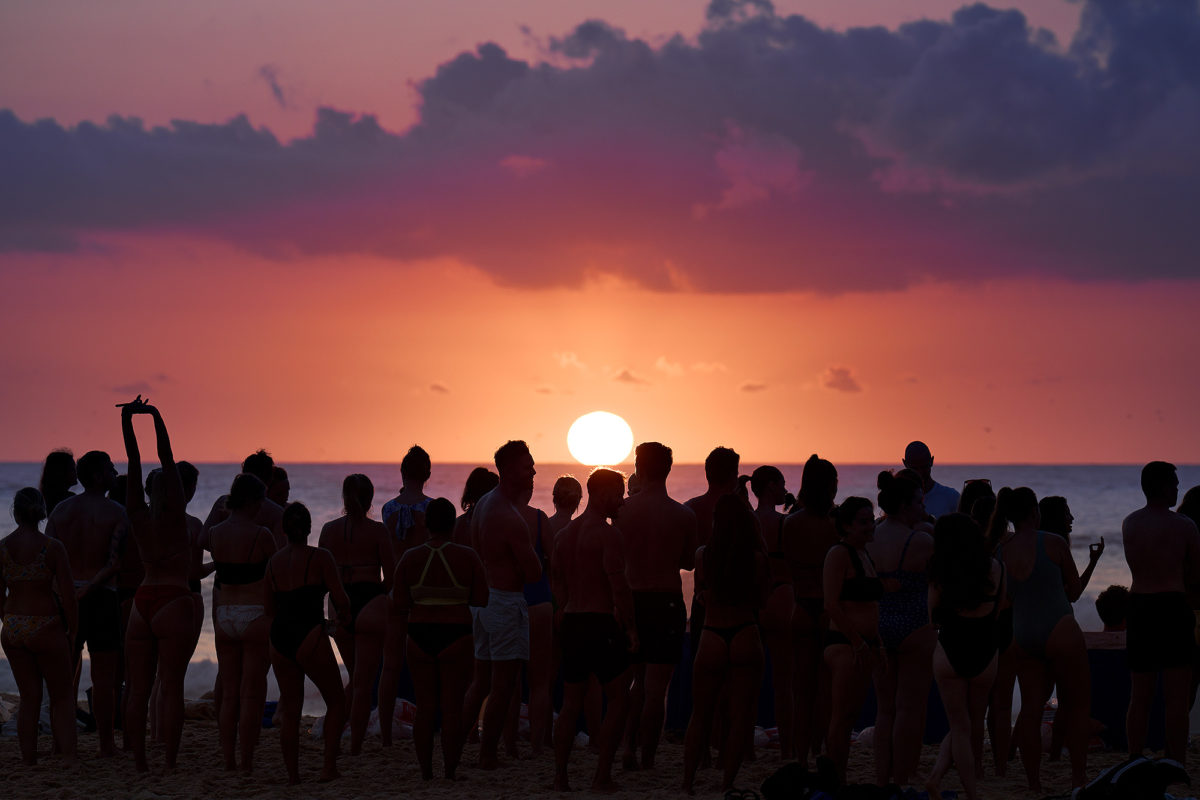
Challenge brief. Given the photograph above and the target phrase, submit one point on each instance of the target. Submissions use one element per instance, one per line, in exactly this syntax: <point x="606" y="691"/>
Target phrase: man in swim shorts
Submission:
<point x="660" y="539"/>
<point x="94" y="530"/>
<point x="596" y="623"/>
<point x="1162" y="549"/>
<point x="503" y="540"/>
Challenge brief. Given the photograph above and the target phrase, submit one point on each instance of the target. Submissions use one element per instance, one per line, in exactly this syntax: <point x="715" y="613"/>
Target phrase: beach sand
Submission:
<point x="385" y="773"/>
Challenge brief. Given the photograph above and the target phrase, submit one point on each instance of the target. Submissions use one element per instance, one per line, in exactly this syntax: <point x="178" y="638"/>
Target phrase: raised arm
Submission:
<point x="133" y="482"/>
<point x="173" y="488"/>
<point x="337" y="592"/>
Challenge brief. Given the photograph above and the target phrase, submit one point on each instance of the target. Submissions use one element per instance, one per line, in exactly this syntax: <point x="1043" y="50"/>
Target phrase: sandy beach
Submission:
<point x="384" y="773"/>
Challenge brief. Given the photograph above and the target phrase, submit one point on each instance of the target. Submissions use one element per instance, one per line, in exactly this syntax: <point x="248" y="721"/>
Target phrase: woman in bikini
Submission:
<point x="808" y="533"/>
<point x="1042" y="584"/>
<point x="966" y="593"/>
<point x="852" y="647"/>
<point x="363" y="550"/>
<point x="901" y="549"/>
<point x="161" y="625"/>
<point x="435" y="585"/>
<point x="298" y="578"/>
<point x="769" y="488"/>
<point x="731" y="579"/>
<point x="35" y="578"/>
<point x="240" y="550"/>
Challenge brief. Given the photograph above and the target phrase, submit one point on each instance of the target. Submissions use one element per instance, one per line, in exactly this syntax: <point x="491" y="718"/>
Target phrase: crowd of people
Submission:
<point x="926" y="586"/>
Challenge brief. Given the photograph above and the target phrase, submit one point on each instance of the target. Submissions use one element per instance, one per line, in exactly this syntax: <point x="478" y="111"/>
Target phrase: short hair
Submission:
<point x="416" y="464"/>
<point x="189" y="476"/>
<point x="247" y="489"/>
<point x="357" y="494"/>
<point x="29" y="507"/>
<point x="508" y="453"/>
<point x="1156" y="476"/>
<point x="653" y="460"/>
<point x="604" y="479"/>
<point x="90" y="467"/>
<point x="297" y="523"/>
<point x="481" y="481"/>
<point x="260" y="465"/>
<point x="917" y="450"/>
<point x="1113" y="606"/>
<point x="721" y="466"/>
<point x="439" y="516"/>
<point x="567" y="491"/>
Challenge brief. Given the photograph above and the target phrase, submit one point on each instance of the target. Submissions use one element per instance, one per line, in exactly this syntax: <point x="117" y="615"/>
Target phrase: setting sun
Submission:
<point x="600" y="439"/>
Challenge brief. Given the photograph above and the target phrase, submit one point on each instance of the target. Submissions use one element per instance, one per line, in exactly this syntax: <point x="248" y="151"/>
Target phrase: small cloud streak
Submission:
<point x="709" y="367"/>
<point x="672" y="368"/>
<point x="137" y="387"/>
<point x="752" y="387"/>
<point x="544" y="390"/>
<point x="523" y="166"/>
<point x="270" y="74"/>
<point x="840" y="379"/>
<point x="570" y="361"/>
<point x="627" y="376"/>
<point x="438" y="388"/>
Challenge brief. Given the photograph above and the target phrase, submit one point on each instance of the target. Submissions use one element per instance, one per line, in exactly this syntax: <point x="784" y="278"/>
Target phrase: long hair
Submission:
<point x="481" y="481"/>
<point x="729" y="564"/>
<point x="818" y="485"/>
<point x="961" y="562"/>
<point x="1012" y="505"/>
<point x="844" y="514"/>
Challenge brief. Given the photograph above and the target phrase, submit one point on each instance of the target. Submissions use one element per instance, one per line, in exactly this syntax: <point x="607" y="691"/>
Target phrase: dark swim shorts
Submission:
<point x="661" y="623"/>
<point x="592" y="644"/>
<point x="99" y="622"/>
<point x="1161" y="631"/>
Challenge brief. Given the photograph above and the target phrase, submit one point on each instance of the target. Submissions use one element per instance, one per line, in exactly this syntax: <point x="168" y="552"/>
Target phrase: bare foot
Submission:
<point x="606" y="787"/>
<point x="629" y="762"/>
<point x="934" y="790"/>
<point x="487" y="763"/>
<point x="687" y="789"/>
<point x="561" y="784"/>
<point x="328" y="775"/>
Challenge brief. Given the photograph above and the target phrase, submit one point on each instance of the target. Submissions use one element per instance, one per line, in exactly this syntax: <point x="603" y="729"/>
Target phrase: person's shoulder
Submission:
<point x="695" y="502"/>
<point x="944" y="490"/>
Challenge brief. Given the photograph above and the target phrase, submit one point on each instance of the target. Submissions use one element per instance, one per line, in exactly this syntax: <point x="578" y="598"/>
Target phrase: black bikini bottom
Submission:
<point x="434" y="637"/>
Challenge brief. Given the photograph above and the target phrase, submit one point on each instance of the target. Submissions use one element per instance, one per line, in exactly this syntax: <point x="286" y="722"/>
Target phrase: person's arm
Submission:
<point x="133" y="482"/>
<point x="832" y="577"/>
<point x="65" y="588"/>
<point x="1066" y="565"/>
<point x="479" y="586"/>
<point x="613" y="556"/>
<point x="337" y="592"/>
<point x="529" y="566"/>
<point x="763" y="578"/>
<point x="1094" y="553"/>
<point x="173" y="488"/>
<point x="691" y="540"/>
<point x="559" y="586"/>
<point x="934" y="600"/>
<point x="269" y="595"/>
<point x="118" y="540"/>
<point x="401" y="599"/>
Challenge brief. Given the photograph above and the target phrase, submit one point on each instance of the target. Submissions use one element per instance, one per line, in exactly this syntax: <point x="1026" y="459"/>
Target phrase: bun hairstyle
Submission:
<point x="844" y="514"/>
<point x="246" y="490"/>
<point x="818" y="486"/>
<point x="260" y="464"/>
<point x="481" y="481"/>
<point x="357" y="494"/>
<point x="763" y="477"/>
<point x="29" y="507"/>
<point x="896" y="490"/>
<point x="416" y="464"/>
<point x="961" y="562"/>
<point x="297" y="523"/>
<point x="567" y="492"/>
<point x="1012" y="505"/>
<point x="439" y="517"/>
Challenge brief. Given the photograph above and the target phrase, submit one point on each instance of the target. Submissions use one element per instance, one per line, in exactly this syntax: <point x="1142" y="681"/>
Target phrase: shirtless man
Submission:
<point x="1162" y="549"/>
<point x="262" y="466"/>
<point x="93" y="529"/>
<point x="501" y="536"/>
<point x="660" y="539"/>
<point x="721" y="471"/>
<point x="590" y="585"/>
<point x="939" y="499"/>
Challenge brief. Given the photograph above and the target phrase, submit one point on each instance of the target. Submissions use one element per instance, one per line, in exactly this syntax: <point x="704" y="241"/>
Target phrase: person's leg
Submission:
<point x="745" y="679"/>
<point x="370" y="629"/>
<point x="633" y="718"/>
<point x="1033" y="680"/>
<point x="423" y="669"/>
<point x="229" y="659"/>
<point x="658" y="680"/>
<point x="1175" y="717"/>
<point x="256" y="660"/>
<point x="291" y="699"/>
<point x="455" y="665"/>
<point x="504" y="679"/>
<point x="806" y="646"/>
<point x="104" y="695"/>
<point x="54" y="662"/>
<point x="564" y="732"/>
<point x="886" y="681"/>
<point x="999" y="714"/>
<point x="783" y="667"/>
<point x="389" y="678"/>
<point x="709" y="670"/>
<point x="29" y="686"/>
<point x="141" y="662"/>
<point x="914" y="676"/>
<point x="955" y="693"/>
<point x="849" y="681"/>
<point x="172" y="628"/>
<point x="481" y="686"/>
<point x="617" y="692"/>
<point x="316" y="659"/>
<point x="593" y="712"/>
<point x="1067" y="652"/>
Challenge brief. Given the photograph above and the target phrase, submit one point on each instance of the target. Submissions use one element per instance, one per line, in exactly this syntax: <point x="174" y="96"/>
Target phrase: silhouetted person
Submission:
<point x="38" y="631"/>
<point x="93" y="530"/>
<point x="479" y="482"/>
<point x="659" y="541"/>
<point x="901" y="549"/>
<point x="241" y="549"/>
<point x="503" y="538"/>
<point x="1162" y="549"/>
<point x="977" y="501"/>
<point x="591" y="589"/>
<point x="280" y="488"/>
<point x="721" y="473"/>
<point x="362" y="548"/>
<point x="299" y="577"/>
<point x="403" y="515"/>
<point x="808" y="533"/>
<point x="967" y="588"/>
<point x="939" y="499"/>
<point x="58" y="476"/>
<point x="539" y="668"/>
<point x="1112" y="606"/>
<point x="1057" y="518"/>
<point x="436" y="583"/>
<point x="270" y="514"/>
<point x="1042" y="584"/>
<point x="731" y="575"/>
<point x="161" y="626"/>
<point x="1190" y="508"/>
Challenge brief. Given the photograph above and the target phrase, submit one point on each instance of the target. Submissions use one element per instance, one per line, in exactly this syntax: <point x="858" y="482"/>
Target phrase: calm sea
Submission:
<point x="1100" y="497"/>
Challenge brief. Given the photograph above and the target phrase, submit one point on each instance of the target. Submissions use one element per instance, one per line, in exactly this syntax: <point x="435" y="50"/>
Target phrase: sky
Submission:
<point x="824" y="226"/>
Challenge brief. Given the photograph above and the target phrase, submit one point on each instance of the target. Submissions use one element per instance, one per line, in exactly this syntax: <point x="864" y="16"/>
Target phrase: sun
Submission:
<point x="600" y="439"/>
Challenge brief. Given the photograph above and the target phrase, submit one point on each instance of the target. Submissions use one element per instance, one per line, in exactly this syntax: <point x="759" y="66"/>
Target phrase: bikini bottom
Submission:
<point x="234" y="620"/>
<point x="20" y="628"/>
<point x="149" y="600"/>
<point x="434" y="637"/>
<point x="729" y="632"/>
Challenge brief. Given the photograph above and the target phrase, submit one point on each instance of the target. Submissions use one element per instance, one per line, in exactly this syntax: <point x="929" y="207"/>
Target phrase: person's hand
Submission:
<point x="634" y="643"/>
<point x="137" y="406"/>
<point x="1095" y="550"/>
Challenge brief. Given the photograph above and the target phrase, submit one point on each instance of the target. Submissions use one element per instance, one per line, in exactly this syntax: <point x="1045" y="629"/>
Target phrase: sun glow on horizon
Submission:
<point x="600" y="439"/>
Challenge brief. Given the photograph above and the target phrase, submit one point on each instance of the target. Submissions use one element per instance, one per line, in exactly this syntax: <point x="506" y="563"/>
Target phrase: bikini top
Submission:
<point x="455" y="595"/>
<point x="306" y="602"/>
<point x="35" y="570"/>
<point x="778" y="551"/>
<point x="911" y="581"/>
<point x="862" y="588"/>
<point x="240" y="573"/>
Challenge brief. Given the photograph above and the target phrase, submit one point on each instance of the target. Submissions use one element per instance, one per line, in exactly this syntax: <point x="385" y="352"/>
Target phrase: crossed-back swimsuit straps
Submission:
<point x="20" y="628"/>
<point x="970" y="642"/>
<point x="434" y="637"/>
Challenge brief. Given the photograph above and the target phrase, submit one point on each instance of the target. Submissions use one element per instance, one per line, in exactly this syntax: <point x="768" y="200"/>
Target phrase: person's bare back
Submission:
<point x="660" y="537"/>
<point x="503" y="540"/>
<point x="1162" y="549"/>
<point x="589" y="561"/>
<point x="91" y="528"/>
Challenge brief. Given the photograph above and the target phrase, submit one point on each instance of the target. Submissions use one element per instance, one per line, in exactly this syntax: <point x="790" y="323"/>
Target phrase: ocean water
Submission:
<point x="1099" y="496"/>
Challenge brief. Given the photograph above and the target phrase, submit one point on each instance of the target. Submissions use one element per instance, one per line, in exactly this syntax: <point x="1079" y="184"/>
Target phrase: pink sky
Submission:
<point x="837" y="263"/>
